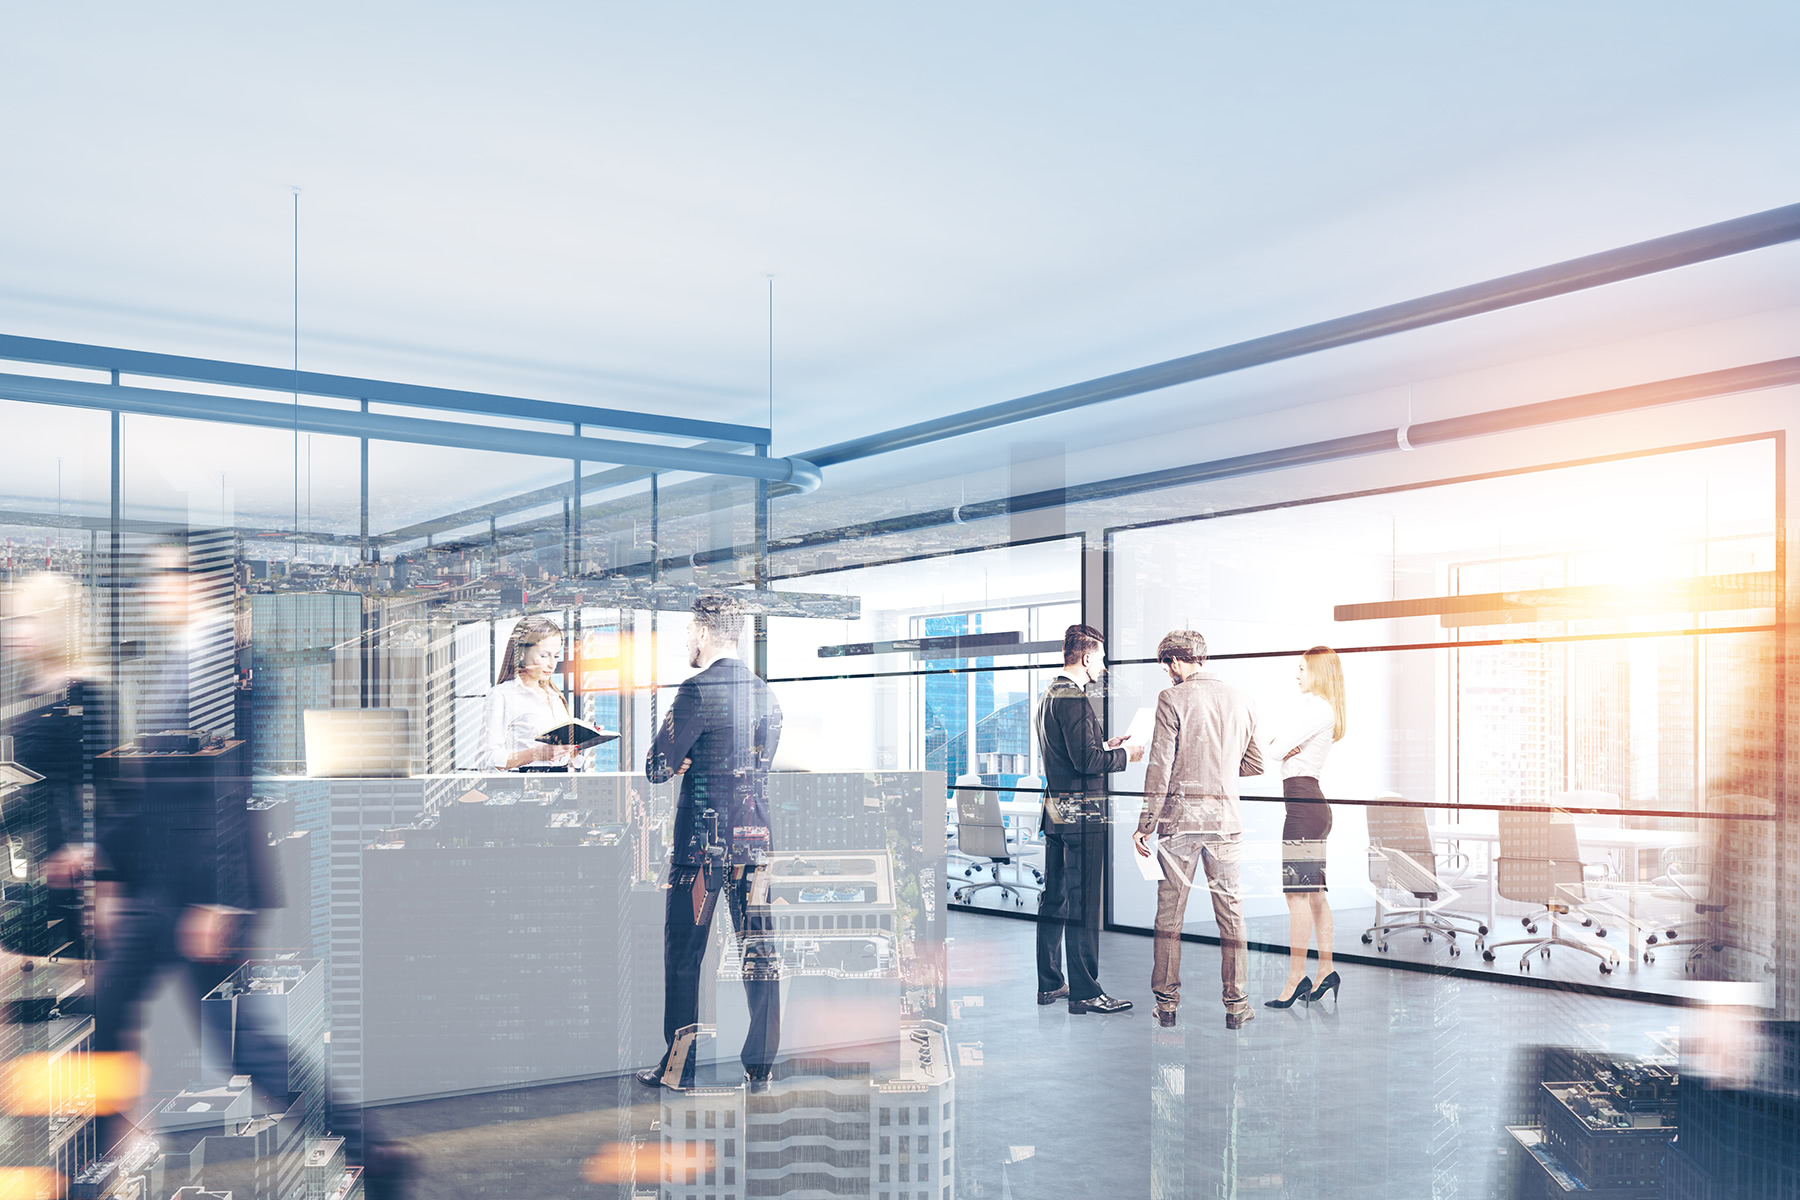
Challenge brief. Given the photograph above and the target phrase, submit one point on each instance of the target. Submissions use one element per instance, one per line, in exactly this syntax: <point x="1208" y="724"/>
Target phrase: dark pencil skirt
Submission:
<point x="1303" y="835"/>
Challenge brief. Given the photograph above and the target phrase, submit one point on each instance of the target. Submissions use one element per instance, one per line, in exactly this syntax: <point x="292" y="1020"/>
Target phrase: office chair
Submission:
<point x="1540" y="864"/>
<point x="1592" y="798"/>
<point x="1686" y="879"/>
<point x="982" y="844"/>
<point x="1403" y="864"/>
<point x="1693" y="877"/>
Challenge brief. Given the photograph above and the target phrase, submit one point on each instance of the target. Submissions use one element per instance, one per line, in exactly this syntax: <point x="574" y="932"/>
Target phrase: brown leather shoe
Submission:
<point x="1237" y="1020"/>
<point x="1165" y="1017"/>
<point x="1053" y="997"/>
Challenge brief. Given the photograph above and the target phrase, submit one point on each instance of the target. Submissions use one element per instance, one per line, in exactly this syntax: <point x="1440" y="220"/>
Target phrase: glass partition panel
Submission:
<point x="1599" y="636"/>
<point x="949" y="650"/>
<point x="938" y="672"/>
<point x="1679" y="540"/>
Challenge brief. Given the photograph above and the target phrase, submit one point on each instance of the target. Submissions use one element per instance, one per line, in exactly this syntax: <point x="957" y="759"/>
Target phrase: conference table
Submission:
<point x="1627" y="844"/>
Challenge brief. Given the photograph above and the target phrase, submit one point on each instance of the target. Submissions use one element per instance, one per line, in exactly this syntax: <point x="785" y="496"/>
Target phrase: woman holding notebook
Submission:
<point x="525" y="702"/>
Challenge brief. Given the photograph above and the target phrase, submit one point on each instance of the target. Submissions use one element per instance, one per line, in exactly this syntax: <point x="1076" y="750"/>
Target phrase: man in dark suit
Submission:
<point x="720" y="737"/>
<point x="184" y="871"/>
<point x="1077" y="759"/>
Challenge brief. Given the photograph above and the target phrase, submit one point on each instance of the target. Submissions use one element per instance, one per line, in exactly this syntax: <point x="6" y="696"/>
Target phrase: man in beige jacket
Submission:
<point x="1205" y="738"/>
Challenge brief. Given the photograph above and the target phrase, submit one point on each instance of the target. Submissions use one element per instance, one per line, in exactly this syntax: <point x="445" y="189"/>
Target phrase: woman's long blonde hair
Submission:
<point x="1325" y="679"/>
<point x="526" y="634"/>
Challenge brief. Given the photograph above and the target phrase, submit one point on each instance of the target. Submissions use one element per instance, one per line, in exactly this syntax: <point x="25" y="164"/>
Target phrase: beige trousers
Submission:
<point x="1181" y="855"/>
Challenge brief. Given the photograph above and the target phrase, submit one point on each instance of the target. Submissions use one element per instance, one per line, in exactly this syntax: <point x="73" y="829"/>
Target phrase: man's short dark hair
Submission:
<point x="722" y="613"/>
<point x="1079" y="640"/>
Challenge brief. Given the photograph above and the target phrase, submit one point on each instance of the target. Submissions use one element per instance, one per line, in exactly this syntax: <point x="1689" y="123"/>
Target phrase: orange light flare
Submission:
<point x="593" y="663"/>
<point x="42" y="1085"/>
<point x="642" y="1162"/>
<point x="30" y="1183"/>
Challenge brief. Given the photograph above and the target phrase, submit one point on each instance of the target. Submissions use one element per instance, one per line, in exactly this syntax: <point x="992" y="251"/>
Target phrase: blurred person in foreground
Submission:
<point x="180" y="876"/>
<point x="720" y="737"/>
<point x="1077" y="758"/>
<point x="58" y="720"/>
<point x="1204" y="739"/>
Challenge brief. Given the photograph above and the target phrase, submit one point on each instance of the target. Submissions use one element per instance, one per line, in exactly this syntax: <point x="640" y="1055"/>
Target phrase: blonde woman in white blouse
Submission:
<point x="1300" y="747"/>
<point x="524" y="702"/>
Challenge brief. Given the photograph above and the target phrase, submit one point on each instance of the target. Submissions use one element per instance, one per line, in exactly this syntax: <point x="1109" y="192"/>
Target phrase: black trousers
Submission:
<point x="684" y="949"/>
<point x="1069" y="908"/>
<point x="139" y="950"/>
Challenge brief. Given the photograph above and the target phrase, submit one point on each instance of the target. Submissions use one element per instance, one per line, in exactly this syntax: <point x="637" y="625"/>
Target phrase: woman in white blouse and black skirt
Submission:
<point x="1301" y="746"/>
<point x="524" y="702"/>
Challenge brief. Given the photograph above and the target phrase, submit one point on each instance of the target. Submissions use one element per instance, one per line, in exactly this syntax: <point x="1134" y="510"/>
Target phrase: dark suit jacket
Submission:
<point x="1076" y="759"/>
<point x="728" y="722"/>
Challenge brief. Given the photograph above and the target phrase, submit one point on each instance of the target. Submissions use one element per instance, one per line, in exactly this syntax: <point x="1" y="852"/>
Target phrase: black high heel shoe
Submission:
<point x="1327" y="984"/>
<point x="1299" y="993"/>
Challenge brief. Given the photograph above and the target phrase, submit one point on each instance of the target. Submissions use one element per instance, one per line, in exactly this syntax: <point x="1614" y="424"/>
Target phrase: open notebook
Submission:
<point x="576" y="733"/>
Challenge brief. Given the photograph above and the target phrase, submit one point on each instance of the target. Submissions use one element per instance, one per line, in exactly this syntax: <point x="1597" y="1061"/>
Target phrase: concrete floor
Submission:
<point x="1669" y="973"/>
<point x="1402" y="1090"/>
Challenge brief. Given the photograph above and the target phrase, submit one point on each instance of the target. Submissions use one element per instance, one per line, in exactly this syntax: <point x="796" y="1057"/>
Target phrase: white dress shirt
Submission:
<point x="516" y="713"/>
<point x="1304" y="738"/>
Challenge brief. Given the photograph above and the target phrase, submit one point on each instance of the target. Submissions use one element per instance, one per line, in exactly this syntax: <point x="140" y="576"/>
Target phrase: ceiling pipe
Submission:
<point x="1756" y="231"/>
<point x="1781" y="372"/>
<point x="349" y="387"/>
<point x="796" y="475"/>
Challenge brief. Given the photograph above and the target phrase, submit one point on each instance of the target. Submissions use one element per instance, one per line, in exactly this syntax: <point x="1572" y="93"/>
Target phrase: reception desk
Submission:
<point x="493" y="931"/>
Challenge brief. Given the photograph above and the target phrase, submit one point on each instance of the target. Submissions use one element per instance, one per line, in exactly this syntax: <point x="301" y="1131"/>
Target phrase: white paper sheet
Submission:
<point x="1142" y="725"/>
<point x="1150" y="868"/>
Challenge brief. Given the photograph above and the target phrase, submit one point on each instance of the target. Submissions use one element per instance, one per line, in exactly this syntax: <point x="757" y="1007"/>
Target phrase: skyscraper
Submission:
<point x="293" y="665"/>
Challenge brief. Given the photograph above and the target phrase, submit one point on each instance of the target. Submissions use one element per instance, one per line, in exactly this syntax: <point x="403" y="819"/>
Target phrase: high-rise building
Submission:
<point x="410" y="663"/>
<point x="62" y="1136"/>
<point x="827" y="1126"/>
<point x="295" y="665"/>
<point x="360" y="811"/>
<point x="183" y="678"/>
<point x="216" y="1139"/>
<point x="281" y="1003"/>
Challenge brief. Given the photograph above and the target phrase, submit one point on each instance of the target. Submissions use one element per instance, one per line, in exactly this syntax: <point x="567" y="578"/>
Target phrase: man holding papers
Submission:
<point x="1077" y="759"/>
<point x="1204" y="739"/>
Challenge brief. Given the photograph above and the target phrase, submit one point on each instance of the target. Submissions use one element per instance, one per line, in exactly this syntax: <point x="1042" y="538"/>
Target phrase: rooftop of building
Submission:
<point x="862" y="879"/>
<point x="277" y="978"/>
<point x="1597" y="1109"/>
<point x="1532" y="1139"/>
<point x="924" y="1059"/>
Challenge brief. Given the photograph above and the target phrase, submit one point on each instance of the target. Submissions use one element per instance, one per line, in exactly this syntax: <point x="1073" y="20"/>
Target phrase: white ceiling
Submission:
<point x="959" y="204"/>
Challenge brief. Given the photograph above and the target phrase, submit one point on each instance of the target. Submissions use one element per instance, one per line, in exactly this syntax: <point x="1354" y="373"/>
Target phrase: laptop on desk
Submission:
<point x="357" y="743"/>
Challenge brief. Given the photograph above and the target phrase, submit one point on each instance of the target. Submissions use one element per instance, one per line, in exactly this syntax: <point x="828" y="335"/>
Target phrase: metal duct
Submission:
<point x="1778" y="372"/>
<point x="797" y="475"/>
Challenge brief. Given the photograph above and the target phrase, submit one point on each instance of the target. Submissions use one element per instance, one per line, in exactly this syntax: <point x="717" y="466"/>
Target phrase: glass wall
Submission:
<point x="1588" y="636"/>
